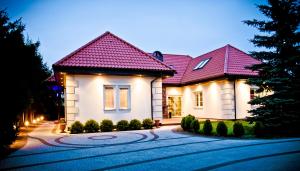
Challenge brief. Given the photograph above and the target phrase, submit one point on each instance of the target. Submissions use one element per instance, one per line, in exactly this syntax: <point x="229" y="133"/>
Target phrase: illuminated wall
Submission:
<point x="84" y="97"/>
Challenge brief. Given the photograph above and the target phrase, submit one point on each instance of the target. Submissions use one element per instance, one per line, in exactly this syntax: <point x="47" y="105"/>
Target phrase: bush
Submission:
<point x="238" y="129"/>
<point x="122" y="125"/>
<point x="195" y="125"/>
<point x="182" y="123"/>
<point x="77" y="127"/>
<point x="207" y="127"/>
<point x="106" y="125"/>
<point x="135" y="124"/>
<point x="258" y="129"/>
<point x="222" y="129"/>
<point x="147" y="123"/>
<point x="187" y="121"/>
<point x="91" y="126"/>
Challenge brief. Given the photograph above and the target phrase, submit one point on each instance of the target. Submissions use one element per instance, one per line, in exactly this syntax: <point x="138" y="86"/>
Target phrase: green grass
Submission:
<point x="247" y="126"/>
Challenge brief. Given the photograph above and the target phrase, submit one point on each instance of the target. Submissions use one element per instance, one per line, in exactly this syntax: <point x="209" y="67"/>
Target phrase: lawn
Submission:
<point x="247" y="126"/>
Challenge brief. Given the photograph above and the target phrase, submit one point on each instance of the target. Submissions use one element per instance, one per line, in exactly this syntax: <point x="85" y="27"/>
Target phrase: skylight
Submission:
<point x="202" y="64"/>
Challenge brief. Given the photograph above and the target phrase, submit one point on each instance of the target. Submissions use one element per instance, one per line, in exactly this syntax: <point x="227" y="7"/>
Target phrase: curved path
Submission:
<point x="157" y="149"/>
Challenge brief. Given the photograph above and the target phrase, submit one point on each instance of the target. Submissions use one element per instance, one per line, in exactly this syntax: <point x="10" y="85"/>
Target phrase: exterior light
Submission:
<point x="140" y="75"/>
<point x="34" y="121"/>
<point x="38" y="119"/>
<point x="26" y="123"/>
<point x="42" y="117"/>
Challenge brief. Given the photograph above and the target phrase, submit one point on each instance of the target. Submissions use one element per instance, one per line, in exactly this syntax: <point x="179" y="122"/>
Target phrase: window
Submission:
<point x="198" y="99"/>
<point x="116" y="97"/>
<point x="201" y="64"/>
<point x="109" y="98"/>
<point x="124" y="98"/>
<point x="253" y="93"/>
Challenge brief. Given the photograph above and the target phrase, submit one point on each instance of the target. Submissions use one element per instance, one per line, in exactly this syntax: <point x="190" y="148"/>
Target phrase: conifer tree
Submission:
<point x="279" y="71"/>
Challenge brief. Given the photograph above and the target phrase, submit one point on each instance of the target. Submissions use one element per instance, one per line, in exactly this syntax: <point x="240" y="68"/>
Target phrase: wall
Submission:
<point x="84" y="97"/>
<point x="242" y="99"/>
<point x="218" y="99"/>
<point x="157" y="99"/>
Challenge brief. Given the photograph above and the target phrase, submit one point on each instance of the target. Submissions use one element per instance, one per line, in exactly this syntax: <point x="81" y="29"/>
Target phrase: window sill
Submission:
<point x="108" y="110"/>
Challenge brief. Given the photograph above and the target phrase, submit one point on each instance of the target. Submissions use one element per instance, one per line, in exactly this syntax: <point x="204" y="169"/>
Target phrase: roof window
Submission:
<point x="201" y="64"/>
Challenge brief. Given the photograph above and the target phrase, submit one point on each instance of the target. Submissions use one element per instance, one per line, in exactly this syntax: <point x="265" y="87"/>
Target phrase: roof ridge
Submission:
<point x="82" y="47"/>
<point x="160" y="62"/>
<point x="226" y="59"/>
<point x="177" y="55"/>
<point x="209" y="52"/>
<point x="187" y="66"/>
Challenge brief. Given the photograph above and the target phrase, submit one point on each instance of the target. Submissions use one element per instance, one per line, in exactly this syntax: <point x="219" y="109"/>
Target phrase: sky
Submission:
<point x="191" y="27"/>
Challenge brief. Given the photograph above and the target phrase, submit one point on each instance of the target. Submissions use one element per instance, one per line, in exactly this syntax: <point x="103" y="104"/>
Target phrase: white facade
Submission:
<point x="84" y="97"/>
<point x="218" y="99"/>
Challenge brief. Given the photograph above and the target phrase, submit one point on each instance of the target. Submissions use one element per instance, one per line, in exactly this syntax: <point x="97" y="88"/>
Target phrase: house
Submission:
<point x="109" y="78"/>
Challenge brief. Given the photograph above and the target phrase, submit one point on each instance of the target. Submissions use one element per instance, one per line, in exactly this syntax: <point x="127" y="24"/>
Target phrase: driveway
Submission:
<point x="157" y="149"/>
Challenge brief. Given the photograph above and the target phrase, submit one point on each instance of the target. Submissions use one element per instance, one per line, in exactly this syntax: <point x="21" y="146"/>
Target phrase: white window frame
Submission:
<point x="200" y="100"/>
<point x="201" y="64"/>
<point x="128" y="97"/>
<point x="104" y="98"/>
<point x="117" y="100"/>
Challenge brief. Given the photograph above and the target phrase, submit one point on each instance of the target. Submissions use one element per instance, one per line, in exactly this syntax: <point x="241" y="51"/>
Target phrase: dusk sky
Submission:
<point x="190" y="27"/>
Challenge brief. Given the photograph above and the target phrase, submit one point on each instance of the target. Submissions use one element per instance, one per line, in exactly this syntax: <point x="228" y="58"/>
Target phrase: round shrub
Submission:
<point x="76" y="128"/>
<point x="122" y="125"/>
<point x="258" y="129"/>
<point x="207" y="127"/>
<point x="238" y="129"/>
<point x="147" y="123"/>
<point x="135" y="124"/>
<point x="187" y="121"/>
<point x="91" y="126"/>
<point x="106" y="125"/>
<point x="182" y="123"/>
<point x="195" y="125"/>
<point x="222" y="129"/>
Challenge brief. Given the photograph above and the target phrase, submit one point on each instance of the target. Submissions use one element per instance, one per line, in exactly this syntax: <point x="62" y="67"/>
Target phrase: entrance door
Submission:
<point x="174" y="106"/>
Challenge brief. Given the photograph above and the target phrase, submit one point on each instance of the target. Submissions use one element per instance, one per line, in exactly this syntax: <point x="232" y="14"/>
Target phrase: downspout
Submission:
<point x="152" y="96"/>
<point x="234" y="99"/>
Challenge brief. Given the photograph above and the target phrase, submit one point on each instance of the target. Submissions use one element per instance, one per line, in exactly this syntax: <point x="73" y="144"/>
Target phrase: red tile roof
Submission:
<point x="111" y="52"/>
<point x="179" y="63"/>
<point x="226" y="60"/>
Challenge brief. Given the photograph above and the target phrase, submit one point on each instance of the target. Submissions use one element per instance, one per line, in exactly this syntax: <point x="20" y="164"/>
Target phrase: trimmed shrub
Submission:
<point x="77" y="127"/>
<point x="106" y="125"/>
<point x="238" y="129"/>
<point x="122" y="125"/>
<point x="222" y="129"/>
<point x="91" y="126"/>
<point x="195" y="125"/>
<point x="258" y="129"/>
<point x="182" y="123"/>
<point x="135" y="124"/>
<point x="207" y="127"/>
<point x="147" y="123"/>
<point x="187" y="121"/>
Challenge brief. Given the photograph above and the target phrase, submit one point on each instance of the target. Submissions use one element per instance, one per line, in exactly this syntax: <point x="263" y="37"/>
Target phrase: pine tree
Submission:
<point x="279" y="72"/>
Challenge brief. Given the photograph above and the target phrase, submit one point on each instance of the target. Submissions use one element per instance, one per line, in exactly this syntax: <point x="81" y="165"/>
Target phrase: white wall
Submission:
<point x="89" y="93"/>
<point x="211" y="99"/>
<point x="242" y="99"/>
<point x="218" y="99"/>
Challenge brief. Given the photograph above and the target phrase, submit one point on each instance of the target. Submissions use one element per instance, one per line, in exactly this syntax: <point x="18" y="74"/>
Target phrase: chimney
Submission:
<point x="158" y="55"/>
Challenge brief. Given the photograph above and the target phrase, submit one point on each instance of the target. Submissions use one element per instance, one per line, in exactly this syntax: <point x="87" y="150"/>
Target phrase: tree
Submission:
<point x="279" y="72"/>
<point x="22" y="74"/>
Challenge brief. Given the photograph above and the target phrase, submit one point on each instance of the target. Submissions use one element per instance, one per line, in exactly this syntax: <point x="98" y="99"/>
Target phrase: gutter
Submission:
<point x="152" y="96"/>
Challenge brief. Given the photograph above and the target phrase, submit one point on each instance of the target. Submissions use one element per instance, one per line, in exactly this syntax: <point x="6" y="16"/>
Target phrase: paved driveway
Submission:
<point x="158" y="149"/>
